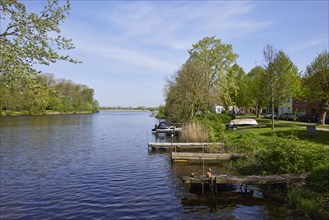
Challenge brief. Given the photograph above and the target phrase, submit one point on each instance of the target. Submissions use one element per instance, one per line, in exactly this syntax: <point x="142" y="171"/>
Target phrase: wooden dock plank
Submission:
<point x="203" y="156"/>
<point x="186" y="146"/>
<point x="251" y="179"/>
<point x="168" y="144"/>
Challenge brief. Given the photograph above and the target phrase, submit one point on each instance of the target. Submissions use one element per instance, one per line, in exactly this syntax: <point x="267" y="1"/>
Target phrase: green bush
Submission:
<point x="218" y="118"/>
<point x="291" y="156"/>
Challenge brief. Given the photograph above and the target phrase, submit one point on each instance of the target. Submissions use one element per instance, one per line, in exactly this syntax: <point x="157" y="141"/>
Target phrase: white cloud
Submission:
<point x="110" y="53"/>
<point x="308" y="44"/>
<point x="179" y="24"/>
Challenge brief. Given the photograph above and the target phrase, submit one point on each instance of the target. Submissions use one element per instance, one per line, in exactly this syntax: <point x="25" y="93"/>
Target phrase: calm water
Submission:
<point x="98" y="167"/>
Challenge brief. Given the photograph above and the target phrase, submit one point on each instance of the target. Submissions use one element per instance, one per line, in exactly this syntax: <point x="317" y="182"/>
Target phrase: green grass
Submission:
<point x="254" y="135"/>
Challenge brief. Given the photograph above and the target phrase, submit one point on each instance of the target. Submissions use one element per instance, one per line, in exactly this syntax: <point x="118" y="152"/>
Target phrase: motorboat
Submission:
<point x="164" y="127"/>
<point x="235" y="123"/>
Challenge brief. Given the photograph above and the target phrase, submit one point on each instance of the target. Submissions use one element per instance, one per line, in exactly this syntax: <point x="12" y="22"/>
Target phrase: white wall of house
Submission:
<point x="283" y="108"/>
<point x="219" y="109"/>
<point x="231" y="109"/>
<point x="286" y="108"/>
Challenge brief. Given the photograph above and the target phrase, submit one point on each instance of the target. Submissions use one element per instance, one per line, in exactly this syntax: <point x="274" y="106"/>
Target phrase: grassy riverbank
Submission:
<point x="287" y="149"/>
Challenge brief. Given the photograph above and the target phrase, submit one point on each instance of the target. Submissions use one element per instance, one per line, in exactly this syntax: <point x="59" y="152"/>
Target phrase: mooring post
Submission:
<point x="211" y="185"/>
<point x="203" y="160"/>
<point x="215" y="179"/>
<point x="147" y="140"/>
<point x="172" y="143"/>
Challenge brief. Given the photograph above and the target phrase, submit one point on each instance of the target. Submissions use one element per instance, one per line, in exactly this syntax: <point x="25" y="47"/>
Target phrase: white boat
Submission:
<point x="241" y="122"/>
<point x="164" y="127"/>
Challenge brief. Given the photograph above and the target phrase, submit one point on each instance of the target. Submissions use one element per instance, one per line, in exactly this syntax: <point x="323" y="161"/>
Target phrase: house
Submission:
<point x="310" y="108"/>
<point x="231" y="109"/>
<point x="285" y="108"/>
<point x="281" y="109"/>
<point x="296" y="106"/>
<point x="219" y="109"/>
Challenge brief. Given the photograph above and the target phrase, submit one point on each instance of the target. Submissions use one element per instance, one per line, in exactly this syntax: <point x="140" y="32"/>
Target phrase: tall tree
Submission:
<point x="317" y="83"/>
<point x="256" y="88"/>
<point x="189" y="92"/>
<point x="28" y="38"/>
<point x="282" y="77"/>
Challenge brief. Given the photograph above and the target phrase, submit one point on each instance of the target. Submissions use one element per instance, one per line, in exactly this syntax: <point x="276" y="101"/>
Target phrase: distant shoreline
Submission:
<point x="14" y="114"/>
<point x="124" y="110"/>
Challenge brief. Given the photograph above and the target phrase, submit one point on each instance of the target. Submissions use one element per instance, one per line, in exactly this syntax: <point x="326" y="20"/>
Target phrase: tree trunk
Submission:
<point x="272" y="115"/>
<point x="257" y="111"/>
<point x="324" y="108"/>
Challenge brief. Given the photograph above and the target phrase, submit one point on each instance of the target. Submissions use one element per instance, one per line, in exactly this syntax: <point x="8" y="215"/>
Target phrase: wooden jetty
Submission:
<point x="248" y="180"/>
<point x="184" y="146"/>
<point x="202" y="157"/>
<point x="216" y="181"/>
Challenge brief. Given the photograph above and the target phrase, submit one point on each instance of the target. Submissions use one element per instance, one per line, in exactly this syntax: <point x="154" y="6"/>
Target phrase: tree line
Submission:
<point x="39" y="93"/>
<point x="212" y="76"/>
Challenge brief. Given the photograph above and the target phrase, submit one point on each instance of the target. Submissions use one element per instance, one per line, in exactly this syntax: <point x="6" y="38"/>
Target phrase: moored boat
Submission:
<point x="164" y="127"/>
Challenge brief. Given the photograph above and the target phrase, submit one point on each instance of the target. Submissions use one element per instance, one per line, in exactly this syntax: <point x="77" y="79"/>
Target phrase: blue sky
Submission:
<point x="130" y="48"/>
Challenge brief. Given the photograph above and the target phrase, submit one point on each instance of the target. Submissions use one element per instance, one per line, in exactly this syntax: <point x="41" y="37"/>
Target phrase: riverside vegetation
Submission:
<point x="43" y="94"/>
<point x="288" y="149"/>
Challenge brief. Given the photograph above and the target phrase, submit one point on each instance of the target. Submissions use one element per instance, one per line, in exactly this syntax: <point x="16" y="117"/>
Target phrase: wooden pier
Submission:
<point x="183" y="146"/>
<point x="248" y="180"/>
<point x="214" y="183"/>
<point x="202" y="157"/>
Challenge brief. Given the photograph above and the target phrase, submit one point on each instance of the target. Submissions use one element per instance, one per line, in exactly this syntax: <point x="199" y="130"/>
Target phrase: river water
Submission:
<point x="98" y="167"/>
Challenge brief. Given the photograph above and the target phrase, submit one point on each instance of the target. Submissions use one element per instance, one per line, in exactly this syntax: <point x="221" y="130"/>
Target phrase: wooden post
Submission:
<point x="211" y="185"/>
<point x="172" y="142"/>
<point x="203" y="161"/>
<point x="215" y="185"/>
<point x="147" y="140"/>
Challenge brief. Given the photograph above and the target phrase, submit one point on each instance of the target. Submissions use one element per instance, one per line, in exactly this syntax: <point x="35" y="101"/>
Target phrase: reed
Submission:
<point x="194" y="132"/>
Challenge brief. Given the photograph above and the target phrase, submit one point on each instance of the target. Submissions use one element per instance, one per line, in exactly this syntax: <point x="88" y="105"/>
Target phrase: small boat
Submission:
<point x="152" y="114"/>
<point x="241" y="122"/>
<point x="164" y="127"/>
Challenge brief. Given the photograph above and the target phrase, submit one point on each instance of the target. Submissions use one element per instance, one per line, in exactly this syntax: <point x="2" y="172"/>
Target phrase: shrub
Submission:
<point x="291" y="156"/>
<point x="218" y="118"/>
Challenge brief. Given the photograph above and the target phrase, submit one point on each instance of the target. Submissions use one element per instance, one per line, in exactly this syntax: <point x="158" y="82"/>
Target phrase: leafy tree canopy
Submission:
<point x="213" y="53"/>
<point x="188" y="92"/>
<point x="28" y="38"/>
<point x="317" y="82"/>
<point x="317" y="77"/>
